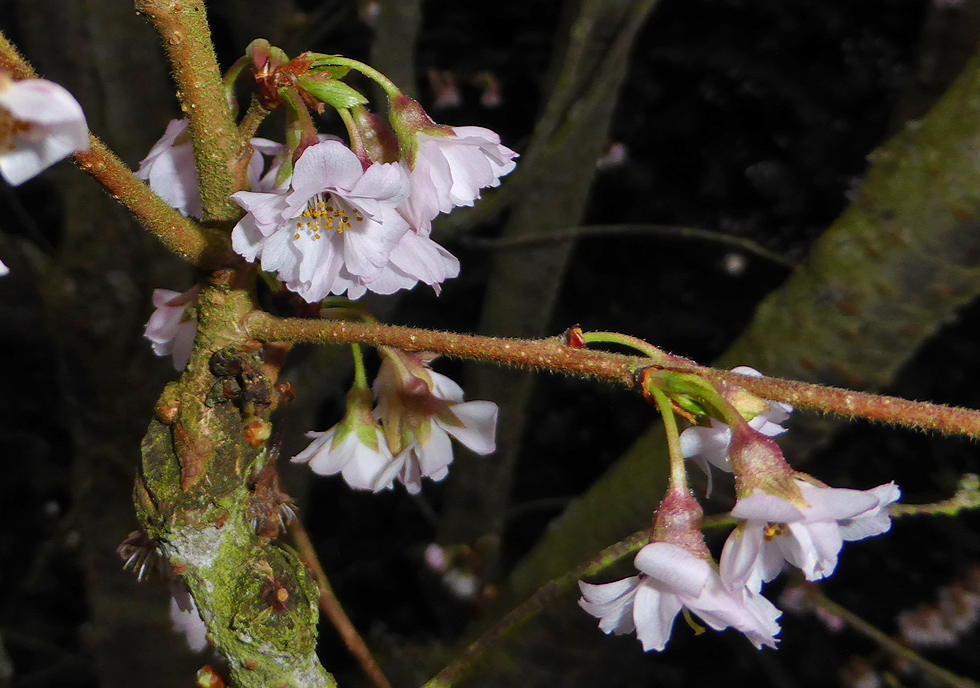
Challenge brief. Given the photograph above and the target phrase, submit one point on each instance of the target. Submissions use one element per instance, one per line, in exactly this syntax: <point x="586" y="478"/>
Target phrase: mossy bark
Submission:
<point x="258" y="601"/>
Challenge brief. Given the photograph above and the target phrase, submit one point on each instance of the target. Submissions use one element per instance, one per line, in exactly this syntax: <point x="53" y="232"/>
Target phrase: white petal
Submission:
<point x="324" y="166"/>
<point x="832" y="504"/>
<point x="190" y="624"/>
<point x="761" y="506"/>
<point x="479" y="428"/>
<point x="445" y="388"/>
<point x="611" y="603"/>
<point x="673" y="568"/>
<point x="653" y="614"/>
<point x="436" y="455"/>
<point x="740" y="559"/>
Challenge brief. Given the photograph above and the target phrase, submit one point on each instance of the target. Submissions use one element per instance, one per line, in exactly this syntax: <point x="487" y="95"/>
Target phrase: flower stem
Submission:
<point x="892" y="646"/>
<point x="254" y="116"/>
<point x="354" y="134"/>
<point x="657" y="355"/>
<point x="360" y="376"/>
<point x="678" y="473"/>
<point x="384" y="82"/>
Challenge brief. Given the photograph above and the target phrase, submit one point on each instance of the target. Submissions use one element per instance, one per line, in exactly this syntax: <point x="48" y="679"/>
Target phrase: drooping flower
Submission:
<point x="333" y="230"/>
<point x="671" y="578"/>
<point x="807" y="534"/>
<point x="419" y="411"/>
<point x="676" y="572"/>
<point x="173" y="325"/>
<point x="40" y="124"/>
<point x="355" y="447"/>
<point x="708" y="446"/>
<point x="170" y="171"/>
<point x="448" y="166"/>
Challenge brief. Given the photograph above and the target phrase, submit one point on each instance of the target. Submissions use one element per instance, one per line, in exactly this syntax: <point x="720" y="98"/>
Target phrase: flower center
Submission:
<point x="325" y="212"/>
<point x="10" y="129"/>
<point x="774" y="530"/>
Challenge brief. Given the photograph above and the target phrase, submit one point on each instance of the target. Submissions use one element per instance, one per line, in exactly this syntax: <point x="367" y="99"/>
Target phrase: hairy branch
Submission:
<point x="202" y="247"/>
<point x="554" y="356"/>
<point x="183" y="29"/>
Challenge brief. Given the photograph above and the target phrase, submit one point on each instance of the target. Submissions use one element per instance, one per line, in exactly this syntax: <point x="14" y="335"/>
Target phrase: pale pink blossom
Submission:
<point x="451" y="165"/>
<point x="333" y="230"/>
<point x="420" y="410"/>
<point x="775" y="531"/>
<point x="3" y="269"/>
<point x="170" y="171"/>
<point x="40" y="124"/>
<point x="172" y="327"/>
<point x="187" y="620"/>
<point x="416" y="258"/>
<point x="671" y="578"/>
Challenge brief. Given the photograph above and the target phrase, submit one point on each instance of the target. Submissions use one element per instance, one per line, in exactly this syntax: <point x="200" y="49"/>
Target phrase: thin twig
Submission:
<point x="330" y="606"/>
<point x="200" y="246"/>
<point x="891" y="645"/>
<point x="554" y="356"/>
<point x="572" y="233"/>
<point x="967" y="496"/>
<point x="948" y="420"/>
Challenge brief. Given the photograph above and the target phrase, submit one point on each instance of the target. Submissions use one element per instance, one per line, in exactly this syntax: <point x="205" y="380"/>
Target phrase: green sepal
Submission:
<point x="332" y="71"/>
<point x="368" y="435"/>
<point x="334" y="93"/>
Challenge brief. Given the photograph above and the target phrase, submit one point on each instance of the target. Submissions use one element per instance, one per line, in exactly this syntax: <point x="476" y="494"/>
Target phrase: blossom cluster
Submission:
<point x="785" y="518"/>
<point x="406" y="436"/>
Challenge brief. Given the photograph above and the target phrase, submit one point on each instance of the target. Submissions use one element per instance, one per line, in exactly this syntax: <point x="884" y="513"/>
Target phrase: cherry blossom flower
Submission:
<point x="40" y="124"/>
<point x="172" y="326"/>
<point x="170" y="171"/>
<point x="672" y="578"/>
<point x="356" y="447"/>
<point x="333" y="230"/>
<point x="809" y="536"/>
<point x="448" y="166"/>
<point x="419" y="410"/>
<point x="187" y="620"/>
<point x="451" y="166"/>
<point x="3" y="269"/>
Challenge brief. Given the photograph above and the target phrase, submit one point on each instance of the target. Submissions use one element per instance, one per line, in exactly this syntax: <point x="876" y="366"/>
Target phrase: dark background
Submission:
<point x="753" y="118"/>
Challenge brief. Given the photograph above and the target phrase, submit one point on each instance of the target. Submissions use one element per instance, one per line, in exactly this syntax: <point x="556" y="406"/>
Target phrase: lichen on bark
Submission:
<point x="193" y="496"/>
